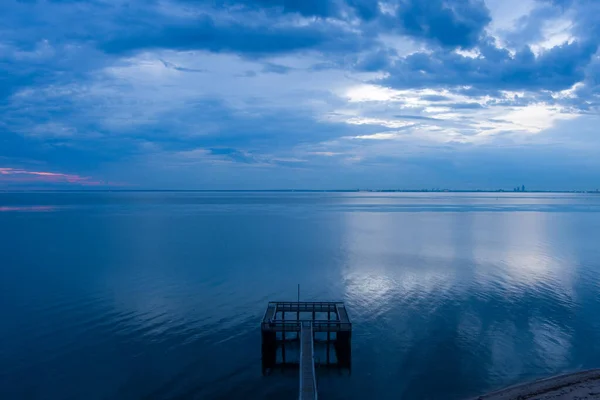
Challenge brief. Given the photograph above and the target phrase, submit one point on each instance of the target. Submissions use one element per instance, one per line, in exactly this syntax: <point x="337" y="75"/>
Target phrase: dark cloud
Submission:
<point x="235" y="155"/>
<point x="276" y="68"/>
<point x="207" y="34"/>
<point x="450" y="23"/>
<point x="587" y="18"/>
<point x="176" y="67"/>
<point x="366" y="9"/>
<point x="435" y="97"/>
<point x="462" y="106"/>
<point x="46" y="64"/>
<point x="51" y="43"/>
<point x="249" y="74"/>
<point x="324" y="66"/>
<point x="587" y="95"/>
<point x="476" y="91"/>
<point x="307" y="8"/>
<point x="556" y="69"/>
<point x="376" y="60"/>
<point x="416" y="117"/>
<point x="583" y="14"/>
<point x="530" y="28"/>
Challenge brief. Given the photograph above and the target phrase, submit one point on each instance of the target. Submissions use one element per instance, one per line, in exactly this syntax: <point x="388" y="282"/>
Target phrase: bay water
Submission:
<point x="159" y="295"/>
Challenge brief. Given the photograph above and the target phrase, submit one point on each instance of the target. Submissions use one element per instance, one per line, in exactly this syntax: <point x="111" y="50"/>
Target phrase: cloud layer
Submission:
<point x="301" y="93"/>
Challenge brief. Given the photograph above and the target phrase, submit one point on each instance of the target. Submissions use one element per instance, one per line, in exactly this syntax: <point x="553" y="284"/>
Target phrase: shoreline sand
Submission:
<point x="583" y="385"/>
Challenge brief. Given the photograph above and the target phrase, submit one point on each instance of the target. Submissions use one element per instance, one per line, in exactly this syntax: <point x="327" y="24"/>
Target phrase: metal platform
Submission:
<point x="337" y="316"/>
<point x="285" y="322"/>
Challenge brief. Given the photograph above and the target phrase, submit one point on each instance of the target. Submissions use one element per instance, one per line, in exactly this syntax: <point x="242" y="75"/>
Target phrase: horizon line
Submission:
<point x="308" y="190"/>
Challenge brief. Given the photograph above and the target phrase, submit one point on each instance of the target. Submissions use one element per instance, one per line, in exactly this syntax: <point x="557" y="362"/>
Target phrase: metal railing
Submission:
<point x="305" y="306"/>
<point x="306" y="302"/>
<point x="318" y="326"/>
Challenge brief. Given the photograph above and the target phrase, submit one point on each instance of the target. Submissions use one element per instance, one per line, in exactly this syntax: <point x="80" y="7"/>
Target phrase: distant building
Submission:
<point x="523" y="188"/>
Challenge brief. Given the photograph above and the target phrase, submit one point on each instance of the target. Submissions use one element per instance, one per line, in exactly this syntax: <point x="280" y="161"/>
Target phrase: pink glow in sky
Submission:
<point x="22" y="175"/>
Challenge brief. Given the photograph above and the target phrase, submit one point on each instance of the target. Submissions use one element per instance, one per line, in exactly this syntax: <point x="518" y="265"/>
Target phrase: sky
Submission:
<point x="300" y="94"/>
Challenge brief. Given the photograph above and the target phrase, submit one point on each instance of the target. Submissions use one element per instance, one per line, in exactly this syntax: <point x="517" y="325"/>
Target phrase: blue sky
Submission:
<point x="306" y="94"/>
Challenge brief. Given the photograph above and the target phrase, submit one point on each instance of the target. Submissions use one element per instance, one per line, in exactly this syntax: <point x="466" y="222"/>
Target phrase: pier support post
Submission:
<point x="283" y="338"/>
<point x="269" y="350"/>
<point x="328" y="334"/>
<point x="343" y="348"/>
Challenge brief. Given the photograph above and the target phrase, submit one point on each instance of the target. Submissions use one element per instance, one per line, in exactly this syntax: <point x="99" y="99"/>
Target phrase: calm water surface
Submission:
<point x="159" y="295"/>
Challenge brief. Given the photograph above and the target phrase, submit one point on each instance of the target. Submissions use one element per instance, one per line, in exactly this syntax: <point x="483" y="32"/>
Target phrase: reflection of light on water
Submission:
<point x="552" y="344"/>
<point x="374" y="293"/>
<point x="507" y="362"/>
<point x="524" y="255"/>
<point x="480" y="282"/>
<point x="385" y="263"/>
<point x="523" y="251"/>
<point x="370" y="289"/>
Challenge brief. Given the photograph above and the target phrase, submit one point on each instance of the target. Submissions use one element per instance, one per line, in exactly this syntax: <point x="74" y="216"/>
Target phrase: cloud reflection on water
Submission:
<point x="482" y="283"/>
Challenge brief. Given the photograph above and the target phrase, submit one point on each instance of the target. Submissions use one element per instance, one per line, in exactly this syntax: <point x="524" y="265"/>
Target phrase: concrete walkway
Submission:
<point x="583" y="385"/>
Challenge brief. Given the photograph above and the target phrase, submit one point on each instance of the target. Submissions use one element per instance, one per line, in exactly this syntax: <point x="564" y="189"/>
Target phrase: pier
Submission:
<point x="308" y="377"/>
<point x="287" y="324"/>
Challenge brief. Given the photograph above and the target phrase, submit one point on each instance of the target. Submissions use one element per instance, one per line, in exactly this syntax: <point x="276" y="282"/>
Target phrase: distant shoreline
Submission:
<point x="291" y="191"/>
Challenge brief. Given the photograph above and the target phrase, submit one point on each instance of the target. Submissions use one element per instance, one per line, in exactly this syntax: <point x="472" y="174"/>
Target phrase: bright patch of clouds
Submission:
<point x="555" y="33"/>
<point x="472" y="53"/>
<point x="324" y="153"/>
<point x="568" y="93"/>
<point x="439" y="122"/>
<point x="388" y="8"/>
<point x="531" y="119"/>
<point x="225" y="75"/>
<point x="388" y="123"/>
<point x="535" y="118"/>
<point x="506" y="13"/>
<point x="403" y="45"/>
<point x="378" y="136"/>
<point x="371" y="93"/>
